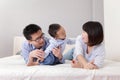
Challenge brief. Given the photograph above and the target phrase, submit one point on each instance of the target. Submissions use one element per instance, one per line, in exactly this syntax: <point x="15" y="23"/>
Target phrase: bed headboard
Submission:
<point x="18" y="40"/>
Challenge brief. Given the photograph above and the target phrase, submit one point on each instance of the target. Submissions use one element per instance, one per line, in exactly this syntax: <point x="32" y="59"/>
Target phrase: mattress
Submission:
<point x="14" y="68"/>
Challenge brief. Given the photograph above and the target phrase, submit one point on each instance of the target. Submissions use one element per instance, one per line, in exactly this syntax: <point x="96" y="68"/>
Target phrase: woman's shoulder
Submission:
<point x="79" y="38"/>
<point x="100" y="47"/>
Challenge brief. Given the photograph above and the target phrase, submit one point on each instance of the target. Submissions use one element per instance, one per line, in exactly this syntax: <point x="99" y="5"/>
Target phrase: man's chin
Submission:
<point x="41" y="46"/>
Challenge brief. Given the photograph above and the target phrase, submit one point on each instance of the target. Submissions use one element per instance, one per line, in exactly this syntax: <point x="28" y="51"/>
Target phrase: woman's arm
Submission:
<point x="82" y="60"/>
<point x="82" y="63"/>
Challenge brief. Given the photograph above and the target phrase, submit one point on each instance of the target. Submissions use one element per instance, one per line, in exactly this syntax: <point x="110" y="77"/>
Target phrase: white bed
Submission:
<point x="14" y="68"/>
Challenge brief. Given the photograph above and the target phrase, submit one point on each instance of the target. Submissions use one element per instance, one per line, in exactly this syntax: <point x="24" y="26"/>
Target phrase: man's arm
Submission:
<point x="31" y="63"/>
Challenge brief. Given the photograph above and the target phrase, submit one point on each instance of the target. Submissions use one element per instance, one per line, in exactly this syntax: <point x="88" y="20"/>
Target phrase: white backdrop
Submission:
<point x="16" y="14"/>
<point x="112" y="28"/>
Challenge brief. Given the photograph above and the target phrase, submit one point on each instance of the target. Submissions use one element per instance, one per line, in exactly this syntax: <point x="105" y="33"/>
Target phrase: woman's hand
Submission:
<point x="90" y="65"/>
<point x="76" y="64"/>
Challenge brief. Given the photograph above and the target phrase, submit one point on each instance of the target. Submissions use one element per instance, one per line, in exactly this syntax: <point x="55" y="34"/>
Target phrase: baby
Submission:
<point x="58" y="38"/>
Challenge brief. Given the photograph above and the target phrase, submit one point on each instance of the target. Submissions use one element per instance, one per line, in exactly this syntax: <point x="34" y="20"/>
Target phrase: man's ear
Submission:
<point x="29" y="41"/>
<point x="56" y="37"/>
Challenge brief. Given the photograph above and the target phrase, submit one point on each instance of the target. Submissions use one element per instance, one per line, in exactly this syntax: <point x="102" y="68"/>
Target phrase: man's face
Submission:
<point x="37" y="39"/>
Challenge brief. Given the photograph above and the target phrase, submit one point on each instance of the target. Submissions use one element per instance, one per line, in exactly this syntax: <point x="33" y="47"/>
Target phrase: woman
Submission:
<point x="89" y="49"/>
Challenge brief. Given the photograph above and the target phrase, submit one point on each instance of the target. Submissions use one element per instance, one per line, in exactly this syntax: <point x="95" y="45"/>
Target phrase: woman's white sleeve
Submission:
<point x="99" y="59"/>
<point x="78" y="47"/>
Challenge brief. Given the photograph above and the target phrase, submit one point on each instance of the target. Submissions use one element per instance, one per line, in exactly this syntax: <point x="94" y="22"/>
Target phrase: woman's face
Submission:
<point x="85" y="36"/>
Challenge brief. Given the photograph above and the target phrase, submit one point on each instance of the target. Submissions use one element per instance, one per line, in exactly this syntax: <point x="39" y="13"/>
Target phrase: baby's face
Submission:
<point x="61" y="34"/>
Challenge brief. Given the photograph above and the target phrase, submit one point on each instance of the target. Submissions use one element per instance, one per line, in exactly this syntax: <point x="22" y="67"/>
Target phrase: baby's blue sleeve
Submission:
<point x="49" y="60"/>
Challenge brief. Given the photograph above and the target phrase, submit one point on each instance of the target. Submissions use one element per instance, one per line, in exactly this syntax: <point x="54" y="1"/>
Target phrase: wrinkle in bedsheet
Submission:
<point x="14" y="68"/>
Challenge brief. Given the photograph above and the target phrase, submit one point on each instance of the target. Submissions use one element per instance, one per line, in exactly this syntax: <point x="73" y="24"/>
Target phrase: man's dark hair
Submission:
<point x="29" y="30"/>
<point x="95" y="32"/>
<point x="53" y="28"/>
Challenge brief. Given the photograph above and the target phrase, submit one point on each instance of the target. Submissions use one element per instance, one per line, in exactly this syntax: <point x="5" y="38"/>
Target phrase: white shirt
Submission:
<point x="54" y="43"/>
<point x="97" y="54"/>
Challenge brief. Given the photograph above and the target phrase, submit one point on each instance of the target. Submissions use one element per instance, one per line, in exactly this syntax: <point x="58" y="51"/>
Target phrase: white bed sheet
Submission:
<point x="14" y="68"/>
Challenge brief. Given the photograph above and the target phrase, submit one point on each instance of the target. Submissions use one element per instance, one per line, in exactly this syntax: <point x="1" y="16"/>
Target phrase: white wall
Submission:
<point x="112" y="28"/>
<point x="16" y="14"/>
<point x="97" y="11"/>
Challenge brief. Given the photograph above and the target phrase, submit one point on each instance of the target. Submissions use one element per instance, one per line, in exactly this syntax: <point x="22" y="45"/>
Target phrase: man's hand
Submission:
<point x="39" y="54"/>
<point x="57" y="53"/>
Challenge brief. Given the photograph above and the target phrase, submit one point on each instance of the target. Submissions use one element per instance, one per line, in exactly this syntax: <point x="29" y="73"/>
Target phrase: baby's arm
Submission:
<point x="49" y="49"/>
<point x="52" y="44"/>
<point x="70" y="41"/>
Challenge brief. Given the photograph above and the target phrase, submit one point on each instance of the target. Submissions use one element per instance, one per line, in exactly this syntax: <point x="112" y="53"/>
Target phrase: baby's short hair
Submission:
<point x="53" y="29"/>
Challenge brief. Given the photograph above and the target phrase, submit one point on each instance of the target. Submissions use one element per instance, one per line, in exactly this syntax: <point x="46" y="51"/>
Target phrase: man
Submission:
<point x="34" y="46"/>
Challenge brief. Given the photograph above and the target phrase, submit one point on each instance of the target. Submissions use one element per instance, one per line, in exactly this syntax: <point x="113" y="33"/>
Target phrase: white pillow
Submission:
<point x="112" y="52"/>
<point x="18" y="40"/>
